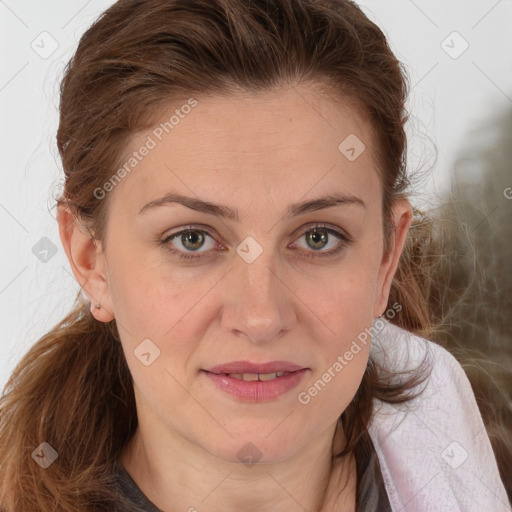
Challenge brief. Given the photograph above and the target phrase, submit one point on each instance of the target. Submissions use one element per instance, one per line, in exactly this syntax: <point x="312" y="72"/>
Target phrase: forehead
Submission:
<point x="281" y="142"/>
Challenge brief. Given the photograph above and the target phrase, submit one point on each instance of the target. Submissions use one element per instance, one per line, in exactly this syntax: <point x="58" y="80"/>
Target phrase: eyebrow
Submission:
<point x="293" y="210"/>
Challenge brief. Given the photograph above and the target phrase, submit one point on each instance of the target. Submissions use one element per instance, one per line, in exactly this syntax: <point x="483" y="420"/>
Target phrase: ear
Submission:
<point x="401" y="221"/>
<point x="87" y="262"/>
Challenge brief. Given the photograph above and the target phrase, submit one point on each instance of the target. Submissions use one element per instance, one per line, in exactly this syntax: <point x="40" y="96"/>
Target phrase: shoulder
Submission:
<point x="130" y="497"/>
<point x="433" y="450"/>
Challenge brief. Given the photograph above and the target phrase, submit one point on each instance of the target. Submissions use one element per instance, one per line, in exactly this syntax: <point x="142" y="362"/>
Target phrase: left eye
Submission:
<point x="319" y="238"/>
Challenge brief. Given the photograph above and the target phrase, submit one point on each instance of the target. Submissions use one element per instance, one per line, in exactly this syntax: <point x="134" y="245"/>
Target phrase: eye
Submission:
<point x="320" y="237"/>
<point x="189" y="240"/>
<point x="195" y="239"/>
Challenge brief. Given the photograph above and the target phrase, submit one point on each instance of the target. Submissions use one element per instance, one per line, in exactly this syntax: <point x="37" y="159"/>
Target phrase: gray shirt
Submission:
<point x="132" y="499"/>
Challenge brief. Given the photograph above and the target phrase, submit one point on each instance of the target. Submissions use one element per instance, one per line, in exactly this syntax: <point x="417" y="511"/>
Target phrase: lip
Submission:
<point x="256" y="391"/>
<point x="250" y="367"/>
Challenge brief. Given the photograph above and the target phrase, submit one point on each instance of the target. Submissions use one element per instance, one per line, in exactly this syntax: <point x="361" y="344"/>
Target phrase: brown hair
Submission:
<point x="73" y="389"/>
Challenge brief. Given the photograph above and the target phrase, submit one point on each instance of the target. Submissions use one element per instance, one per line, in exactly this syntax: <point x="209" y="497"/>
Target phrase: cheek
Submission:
<point x="343" y="305"/>
<point x="335" y="381"/>
<point x="343" y="297"/>
<point x="170" y="307"/>
<point x="149" y="301"/>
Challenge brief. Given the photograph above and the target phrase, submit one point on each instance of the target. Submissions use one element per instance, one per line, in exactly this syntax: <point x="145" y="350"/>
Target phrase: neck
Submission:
<point x="178" y="475"/>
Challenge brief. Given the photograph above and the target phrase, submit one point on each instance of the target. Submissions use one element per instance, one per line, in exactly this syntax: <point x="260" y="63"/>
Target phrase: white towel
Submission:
<point x="434" y="451"/>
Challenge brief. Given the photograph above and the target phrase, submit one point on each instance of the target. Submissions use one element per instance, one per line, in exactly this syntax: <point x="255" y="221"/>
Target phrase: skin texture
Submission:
<point x="258" y="154"/>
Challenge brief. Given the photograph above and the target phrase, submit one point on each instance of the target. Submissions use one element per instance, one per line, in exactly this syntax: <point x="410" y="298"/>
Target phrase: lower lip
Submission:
<point x="255" y="390"/>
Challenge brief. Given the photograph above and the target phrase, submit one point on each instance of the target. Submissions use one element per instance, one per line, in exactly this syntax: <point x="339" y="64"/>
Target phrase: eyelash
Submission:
<point x="344" y="241"/>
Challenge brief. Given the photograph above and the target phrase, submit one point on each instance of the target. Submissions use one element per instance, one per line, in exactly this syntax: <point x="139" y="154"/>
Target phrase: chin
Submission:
<point x="253" y="450"/>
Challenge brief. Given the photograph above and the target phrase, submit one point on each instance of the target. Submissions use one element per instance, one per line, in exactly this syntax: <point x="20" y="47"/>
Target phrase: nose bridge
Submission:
<point x="258" y="302"/>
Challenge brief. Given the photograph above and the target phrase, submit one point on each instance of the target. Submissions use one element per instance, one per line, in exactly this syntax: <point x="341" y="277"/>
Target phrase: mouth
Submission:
<point x="256" y="386"/>
<point x="255" y="376"/>
<point x="236" y="368"/>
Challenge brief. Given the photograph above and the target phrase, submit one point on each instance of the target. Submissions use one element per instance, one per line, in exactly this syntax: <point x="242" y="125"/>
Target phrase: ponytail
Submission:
<point x="73" y="392"/>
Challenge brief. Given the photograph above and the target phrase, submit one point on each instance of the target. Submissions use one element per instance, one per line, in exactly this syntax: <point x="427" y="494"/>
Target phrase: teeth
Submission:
<point x="256" y="376"/>
<point x="267" y="376"/>
<point x="250" y="376"/>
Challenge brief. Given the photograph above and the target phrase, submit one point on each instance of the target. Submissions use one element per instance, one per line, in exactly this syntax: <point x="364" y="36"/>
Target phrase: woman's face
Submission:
<point x="251" y="281"/>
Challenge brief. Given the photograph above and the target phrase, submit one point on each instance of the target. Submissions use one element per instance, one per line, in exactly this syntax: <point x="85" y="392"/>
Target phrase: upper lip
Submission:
<point x="249" y="367"/>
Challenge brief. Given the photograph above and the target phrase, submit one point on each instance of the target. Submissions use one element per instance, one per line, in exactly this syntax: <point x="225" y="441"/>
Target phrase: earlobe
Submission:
<point x="401" y="220"/>
<point x="87" y="262"/>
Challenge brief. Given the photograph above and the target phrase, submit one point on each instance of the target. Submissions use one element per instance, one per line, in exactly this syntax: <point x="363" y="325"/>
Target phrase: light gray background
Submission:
<point x="451" y="94"/>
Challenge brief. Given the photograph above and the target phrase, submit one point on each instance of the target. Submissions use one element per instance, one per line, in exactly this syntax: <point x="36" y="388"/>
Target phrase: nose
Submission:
<point x="258" y="303"/>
